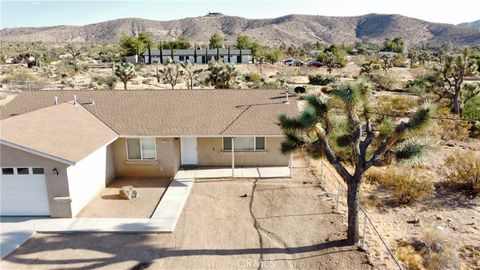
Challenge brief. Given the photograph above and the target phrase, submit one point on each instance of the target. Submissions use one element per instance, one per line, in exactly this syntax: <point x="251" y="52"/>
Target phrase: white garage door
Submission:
<point x="23" y="192"/>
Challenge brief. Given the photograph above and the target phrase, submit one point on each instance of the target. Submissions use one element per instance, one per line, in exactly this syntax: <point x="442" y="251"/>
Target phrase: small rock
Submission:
<point x="244" y="195"/>
<point x="438" y="217"/>
<point x="328" y="195"/>
<point x="449" y="220"/>
<point x="413" y="221"/>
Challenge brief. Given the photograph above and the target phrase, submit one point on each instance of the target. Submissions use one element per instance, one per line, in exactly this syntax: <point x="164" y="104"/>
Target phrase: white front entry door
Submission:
<point x="189" y="150"/>
<point x="23" y="194"/>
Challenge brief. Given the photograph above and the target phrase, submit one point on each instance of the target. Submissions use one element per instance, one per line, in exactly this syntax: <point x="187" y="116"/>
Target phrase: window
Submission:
<point x="37" y="171"/>
<point x="22" y="171"/>
<point x="7" y="171"/>
<point x="139" y="149"/>
<point x="244" y="143"/>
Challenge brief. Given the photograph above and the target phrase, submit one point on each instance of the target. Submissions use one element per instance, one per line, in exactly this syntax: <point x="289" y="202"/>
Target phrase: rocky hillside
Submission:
<point x="291" y="29"/>
<point x="474" y="25"/>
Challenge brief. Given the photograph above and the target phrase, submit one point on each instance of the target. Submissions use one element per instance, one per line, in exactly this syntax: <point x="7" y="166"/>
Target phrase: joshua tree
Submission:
<point x="171" y="73"/>
<point x="221" y="75"/>
<point x="125" y="72"/>
<point x="368" y="141"/>
<point x="75" y="53"/>
<point x="455" y="69"/>
<point x="191" y="73"/>
<point x="368" y="67"/>
<point x="386" y="63"/>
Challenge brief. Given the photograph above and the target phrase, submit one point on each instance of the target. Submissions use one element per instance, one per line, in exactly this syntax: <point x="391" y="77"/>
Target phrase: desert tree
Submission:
<point x="243" y="42"/>
<point x="147" y="39"/>
<point x="221" y="75"/>
<point x="75" y="53"/>
<point x="125" y="72"/>
<point x="171" y="73"/>
<point x="452" y="73"/>
<point x="365" y="140"/>
<point x="190" y="73"/>
<point x="368" y="67"/>
<point x="386" y="63"/>
<point x="215" y="41"/>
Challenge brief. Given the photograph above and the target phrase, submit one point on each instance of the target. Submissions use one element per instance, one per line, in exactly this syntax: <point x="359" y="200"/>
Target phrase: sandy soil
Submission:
<point x="109" y="204"/>
<point x="451" y="211"/>
<point x="226" y="224"/>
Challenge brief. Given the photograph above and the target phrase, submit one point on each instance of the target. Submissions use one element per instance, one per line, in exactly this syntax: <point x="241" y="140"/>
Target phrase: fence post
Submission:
<point x="338" y="194"/>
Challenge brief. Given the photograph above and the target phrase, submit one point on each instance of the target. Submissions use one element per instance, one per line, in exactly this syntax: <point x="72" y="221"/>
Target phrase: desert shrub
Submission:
<point x="252" y="77"/>
<point x="399" y="61"/>
<point x="462" y="169"/>
<point x="319" y="79"/>
<point x="434" y="251"/>
<point x="396" y="105"/>
<point x="450" y="126"/>
<point x="383" y="82"/>
<point x="404" y="187"/>
<point x="471" y="109"/>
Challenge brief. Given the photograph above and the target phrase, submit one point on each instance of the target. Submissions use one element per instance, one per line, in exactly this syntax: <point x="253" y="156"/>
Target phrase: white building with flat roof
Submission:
<point x="201" y="56"/>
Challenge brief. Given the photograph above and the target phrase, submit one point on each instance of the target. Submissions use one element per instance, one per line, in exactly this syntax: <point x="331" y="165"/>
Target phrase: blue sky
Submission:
<point x="47" y="13"/>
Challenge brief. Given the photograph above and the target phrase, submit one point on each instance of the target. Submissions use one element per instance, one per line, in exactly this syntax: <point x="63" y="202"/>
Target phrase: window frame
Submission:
<point x="254" y="144"/>
<point x="141" y="149"/>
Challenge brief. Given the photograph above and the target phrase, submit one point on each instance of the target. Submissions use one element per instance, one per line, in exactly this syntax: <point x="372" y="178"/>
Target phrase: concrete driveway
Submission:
<point x="226" y="224"/>
<point x="17" y="230"/>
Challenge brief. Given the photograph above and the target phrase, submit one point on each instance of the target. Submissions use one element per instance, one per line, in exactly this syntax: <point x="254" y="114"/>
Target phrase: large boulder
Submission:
<point x="128" y="193"/>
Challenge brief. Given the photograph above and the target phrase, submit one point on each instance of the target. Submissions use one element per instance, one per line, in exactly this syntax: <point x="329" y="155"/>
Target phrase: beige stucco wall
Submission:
<point x="166" y="164"/>
<point x="210" y="153"/>
<point x="110" y="165"/>
<point x="57" y="185"/>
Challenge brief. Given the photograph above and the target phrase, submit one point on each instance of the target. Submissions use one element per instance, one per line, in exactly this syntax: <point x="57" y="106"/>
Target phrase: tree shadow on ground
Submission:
<point x="140" y="248"/>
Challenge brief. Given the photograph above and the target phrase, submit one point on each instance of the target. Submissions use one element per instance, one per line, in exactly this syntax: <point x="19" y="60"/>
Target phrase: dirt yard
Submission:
<point x="226" y="224"/>
<point x="109" y="204"/>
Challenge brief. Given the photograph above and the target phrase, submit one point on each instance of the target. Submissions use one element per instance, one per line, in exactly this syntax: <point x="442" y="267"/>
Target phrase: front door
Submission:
<point x="189" y="150"/>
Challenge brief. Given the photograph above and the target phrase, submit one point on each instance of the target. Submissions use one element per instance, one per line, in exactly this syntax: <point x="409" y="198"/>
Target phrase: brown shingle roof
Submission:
<point x="172" y="112"/>
<point x="65" y="131"/>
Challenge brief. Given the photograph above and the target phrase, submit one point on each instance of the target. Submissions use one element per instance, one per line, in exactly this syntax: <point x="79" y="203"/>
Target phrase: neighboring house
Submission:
<point x="199" y="56"/>
<point x="58" y="153"/>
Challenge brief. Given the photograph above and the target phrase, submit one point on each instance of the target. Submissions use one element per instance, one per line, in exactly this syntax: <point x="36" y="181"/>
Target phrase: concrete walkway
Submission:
<point x="255" y="172"/>
<point x="17" y="230"/>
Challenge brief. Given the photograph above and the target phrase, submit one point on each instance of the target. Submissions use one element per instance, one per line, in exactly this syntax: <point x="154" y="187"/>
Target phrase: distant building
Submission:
<point x="199" y="56"/>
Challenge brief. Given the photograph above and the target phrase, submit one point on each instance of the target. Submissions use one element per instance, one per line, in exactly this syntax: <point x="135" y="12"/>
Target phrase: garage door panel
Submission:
<point x="23" y="195"/>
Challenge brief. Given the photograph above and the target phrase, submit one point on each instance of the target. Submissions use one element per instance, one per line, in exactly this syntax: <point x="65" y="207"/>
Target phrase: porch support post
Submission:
<point x="233" y="157"/>
<point x="290" y="165"/>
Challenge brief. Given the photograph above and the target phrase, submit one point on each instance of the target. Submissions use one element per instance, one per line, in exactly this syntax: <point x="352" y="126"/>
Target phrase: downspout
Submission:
<point x="233" y="157"/>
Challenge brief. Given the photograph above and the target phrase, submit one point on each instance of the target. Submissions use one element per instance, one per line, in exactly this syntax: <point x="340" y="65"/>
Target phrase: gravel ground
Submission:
<point x="226" y="224"/>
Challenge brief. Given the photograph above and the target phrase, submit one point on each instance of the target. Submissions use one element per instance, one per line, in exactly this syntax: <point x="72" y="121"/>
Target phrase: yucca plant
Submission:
<point x="366" y="140"/>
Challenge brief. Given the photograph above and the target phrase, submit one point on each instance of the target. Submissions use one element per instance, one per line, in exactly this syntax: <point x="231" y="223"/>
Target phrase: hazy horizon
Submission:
<point x="52" y="13"/>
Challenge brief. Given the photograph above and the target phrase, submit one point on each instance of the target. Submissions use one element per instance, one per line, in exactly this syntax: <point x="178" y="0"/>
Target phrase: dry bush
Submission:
<point x="404" y="187"/>
<point x="462" y="169"/>
<point x="396" y="105"/>
<point x="383" y="82"/>
<point x="435" y="251"/>
<point x="450" y="126"/>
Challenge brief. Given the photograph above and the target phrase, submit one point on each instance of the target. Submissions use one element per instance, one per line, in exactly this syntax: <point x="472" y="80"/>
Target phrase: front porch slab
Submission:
<point x="247" y="172"/>
<point x="109" y="204"/>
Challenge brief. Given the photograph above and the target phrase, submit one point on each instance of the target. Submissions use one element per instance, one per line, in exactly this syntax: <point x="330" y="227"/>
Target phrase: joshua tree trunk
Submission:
<point x="125" y="85"/>
<point x="352" y="202"/>
<point x="149" y="55"/>
<point x="456" y="103"/>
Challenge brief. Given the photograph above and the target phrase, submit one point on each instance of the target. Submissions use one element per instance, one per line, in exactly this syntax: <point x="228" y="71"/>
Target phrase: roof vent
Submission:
<point x="75" y="102"/>
<point x="55" y="100"/>
<point x="92" y="102"/>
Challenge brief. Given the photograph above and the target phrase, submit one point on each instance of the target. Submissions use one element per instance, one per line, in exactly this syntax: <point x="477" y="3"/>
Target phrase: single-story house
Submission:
<point x="60" y="148"/>
<point x="199" y="55"/>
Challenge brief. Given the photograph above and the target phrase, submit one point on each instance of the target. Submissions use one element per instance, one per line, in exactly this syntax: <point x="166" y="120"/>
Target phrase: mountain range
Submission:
<point x="475" y="25"/>
<point x="290" y="29"/>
